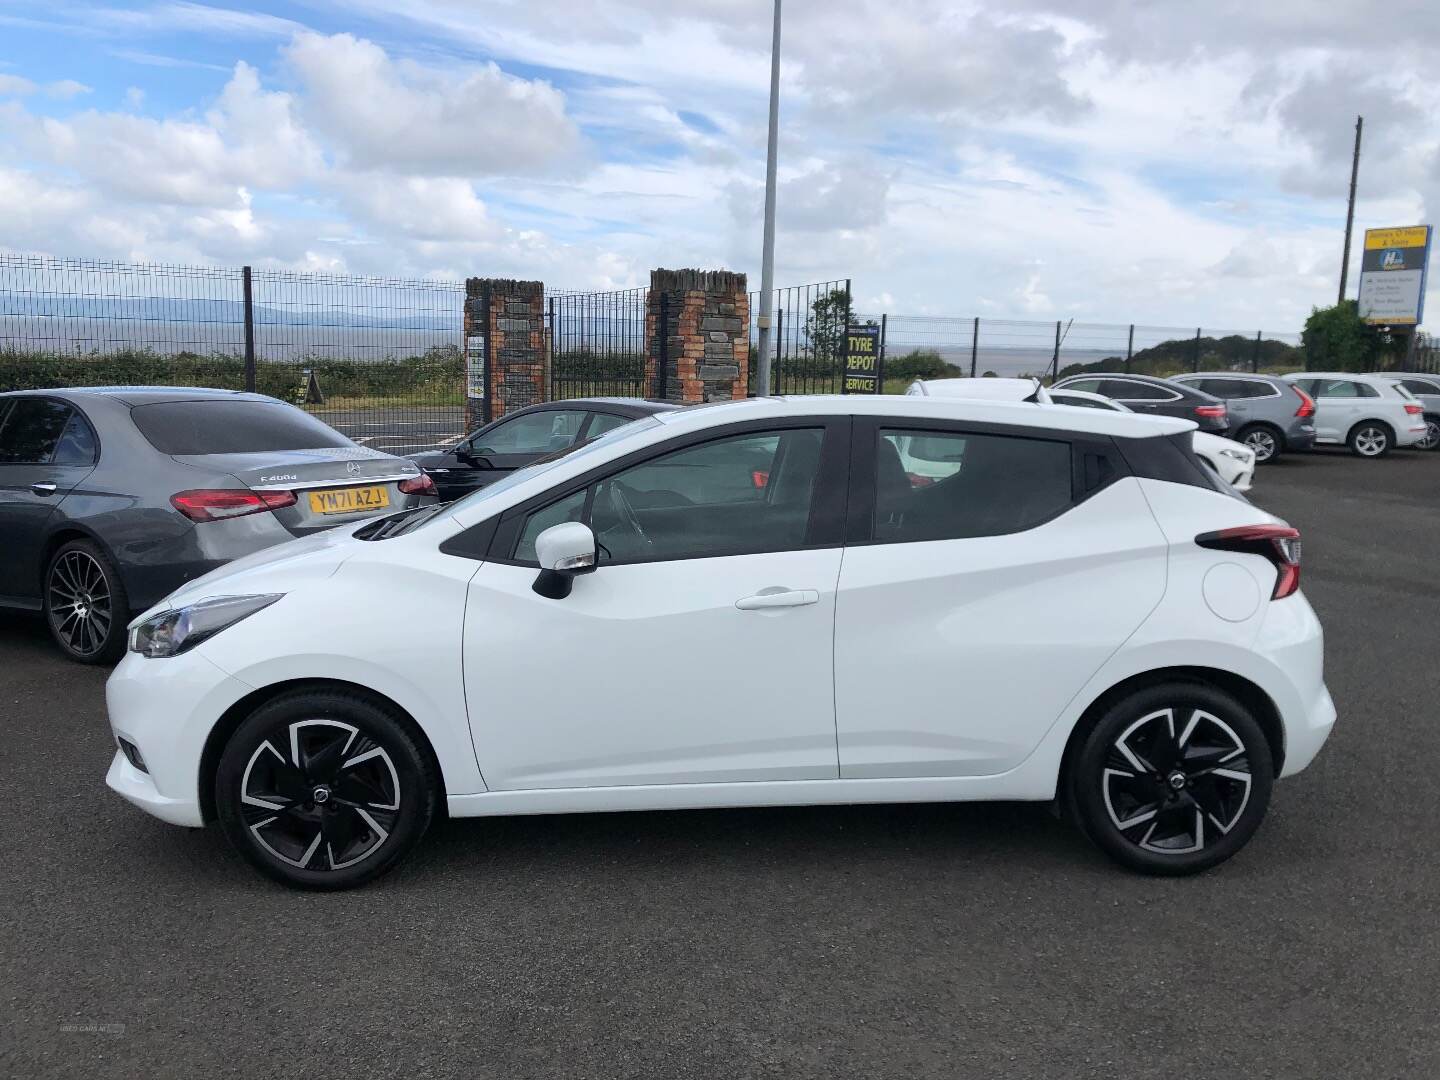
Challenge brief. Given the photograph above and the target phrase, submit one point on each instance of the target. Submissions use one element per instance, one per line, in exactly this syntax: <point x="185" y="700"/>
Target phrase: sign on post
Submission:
<point x="1392" y="275"/>
<point x="862" y="359"/>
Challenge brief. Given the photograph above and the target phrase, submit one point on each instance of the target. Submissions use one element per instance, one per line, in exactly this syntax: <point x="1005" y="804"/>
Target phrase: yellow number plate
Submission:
<point x="349" y="500"/>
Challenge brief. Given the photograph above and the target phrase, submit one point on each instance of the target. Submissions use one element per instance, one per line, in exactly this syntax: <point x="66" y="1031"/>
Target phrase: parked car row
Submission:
<point x="1371" y="414"/>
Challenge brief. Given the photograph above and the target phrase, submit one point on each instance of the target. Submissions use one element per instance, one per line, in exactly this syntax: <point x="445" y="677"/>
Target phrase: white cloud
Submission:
<point x="403" y="116"/>
<point x="15" y="85"/>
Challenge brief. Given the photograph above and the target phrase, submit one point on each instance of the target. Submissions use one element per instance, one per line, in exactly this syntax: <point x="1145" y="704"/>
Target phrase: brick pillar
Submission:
<point x="707" y="341"/>
<point x="505" y="332"/>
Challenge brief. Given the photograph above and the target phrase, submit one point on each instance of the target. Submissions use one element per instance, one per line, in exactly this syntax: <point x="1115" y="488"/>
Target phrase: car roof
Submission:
<point x="148" y="395"/>
<point x="1259" y="375"/>
<point x="635" y="404"/>
<point x="1291" y="375"/>
<point x="903" y="407"/>
<point x="980" y="389"/>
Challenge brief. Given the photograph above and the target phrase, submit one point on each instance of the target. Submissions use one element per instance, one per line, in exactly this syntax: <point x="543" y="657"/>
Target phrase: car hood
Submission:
<point x="275" y="569"/>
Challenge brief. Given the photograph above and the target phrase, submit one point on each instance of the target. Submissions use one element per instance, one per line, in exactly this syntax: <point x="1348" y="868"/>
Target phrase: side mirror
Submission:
<point x="563" y="552"/>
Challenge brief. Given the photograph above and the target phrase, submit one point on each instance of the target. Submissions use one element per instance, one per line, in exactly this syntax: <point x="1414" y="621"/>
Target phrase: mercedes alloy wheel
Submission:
<point x="1173" y="780"/>
<point x="324" y="790"/>
<point x="85" y="605"/>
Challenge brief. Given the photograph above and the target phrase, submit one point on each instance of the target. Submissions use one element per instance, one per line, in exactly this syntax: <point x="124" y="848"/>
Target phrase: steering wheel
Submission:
<point x="620" y="503"/>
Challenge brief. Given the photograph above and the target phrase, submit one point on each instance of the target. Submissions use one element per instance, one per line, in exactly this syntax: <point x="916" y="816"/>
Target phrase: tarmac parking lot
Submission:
<point x="867" y="941"/>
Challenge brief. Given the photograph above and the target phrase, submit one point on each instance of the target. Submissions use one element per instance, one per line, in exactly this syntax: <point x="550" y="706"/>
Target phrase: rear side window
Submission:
<point x="32" y="429"/>
<point x="232" y="427"/>
<point x="950" y="485"/>
<point x="1128" y="390"/>
<point x="1343" y="388"/>
<point x="1420" y="386"/>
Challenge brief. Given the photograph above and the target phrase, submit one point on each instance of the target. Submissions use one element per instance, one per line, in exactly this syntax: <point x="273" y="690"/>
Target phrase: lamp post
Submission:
<point x="767" y="257"/>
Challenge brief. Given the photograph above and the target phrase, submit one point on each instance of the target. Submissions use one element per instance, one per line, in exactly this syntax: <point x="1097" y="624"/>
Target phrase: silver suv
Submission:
<point x="1371" y="414"/>
<point x="1426" y="388"/>
<point x="1267" y="414"/>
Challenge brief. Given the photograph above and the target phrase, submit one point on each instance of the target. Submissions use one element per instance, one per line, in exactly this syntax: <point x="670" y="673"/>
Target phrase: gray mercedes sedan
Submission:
<point x="113" y="497"/>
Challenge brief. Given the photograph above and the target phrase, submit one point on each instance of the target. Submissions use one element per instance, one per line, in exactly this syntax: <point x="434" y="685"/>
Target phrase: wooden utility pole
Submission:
<point x="1350" y="213"/>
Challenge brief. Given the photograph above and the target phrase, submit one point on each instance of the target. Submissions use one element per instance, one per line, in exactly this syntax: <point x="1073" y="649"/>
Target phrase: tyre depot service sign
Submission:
<point x="1392" y="275"/>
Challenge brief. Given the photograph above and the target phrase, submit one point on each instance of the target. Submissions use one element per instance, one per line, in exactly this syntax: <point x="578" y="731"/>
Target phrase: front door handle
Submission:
<point x="43" y="488"/>
<point x="780" y="598"/>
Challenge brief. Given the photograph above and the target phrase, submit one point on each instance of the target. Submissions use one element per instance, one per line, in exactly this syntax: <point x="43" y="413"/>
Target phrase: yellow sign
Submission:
<point x="1413" y="237"/>
<point x="349" y="500"/>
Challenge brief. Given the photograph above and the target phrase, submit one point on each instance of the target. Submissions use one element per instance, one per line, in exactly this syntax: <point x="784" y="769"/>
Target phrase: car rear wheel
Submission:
<point x="1432" y="433"/>
<point x="85" y="604"/>
<point x="1173" y="779"/>
<point x="324" y="790"/>
<point x="1263" y="439"/>
<point x="1370" y="439"/>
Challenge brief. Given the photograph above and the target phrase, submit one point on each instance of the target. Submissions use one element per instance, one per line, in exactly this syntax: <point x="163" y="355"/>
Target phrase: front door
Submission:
<point x="700" y="650"/>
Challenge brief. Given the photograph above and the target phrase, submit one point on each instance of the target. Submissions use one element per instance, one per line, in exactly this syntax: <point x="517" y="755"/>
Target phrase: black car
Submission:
<point x="525" y="436"/>
<point x="113" y="497"/>
<point x="1147" y="394"/>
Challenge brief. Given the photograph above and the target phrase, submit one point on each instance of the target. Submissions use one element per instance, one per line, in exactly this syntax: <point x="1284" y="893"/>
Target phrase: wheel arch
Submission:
<point x="62" y="535"/>
<point x="1377" y="421"/>
<point x="231" y="719"/>
<point x="1249" y="694"/>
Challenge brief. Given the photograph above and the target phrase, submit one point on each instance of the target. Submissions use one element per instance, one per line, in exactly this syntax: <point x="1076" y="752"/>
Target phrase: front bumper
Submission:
<point x="167" y="708"/>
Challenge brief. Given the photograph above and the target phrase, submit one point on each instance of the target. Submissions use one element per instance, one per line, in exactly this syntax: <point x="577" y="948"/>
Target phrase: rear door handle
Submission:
<point x="43" y="488"/>
<point x="781" y="598"/>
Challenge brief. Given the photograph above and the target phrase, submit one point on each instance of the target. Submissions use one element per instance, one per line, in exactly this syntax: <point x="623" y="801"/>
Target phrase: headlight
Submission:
<point x="173" y="632"/>
<point x="1238" y="455"/>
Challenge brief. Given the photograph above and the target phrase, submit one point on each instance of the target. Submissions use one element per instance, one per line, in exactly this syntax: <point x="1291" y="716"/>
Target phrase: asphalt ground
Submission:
<point x="962" y="940"/>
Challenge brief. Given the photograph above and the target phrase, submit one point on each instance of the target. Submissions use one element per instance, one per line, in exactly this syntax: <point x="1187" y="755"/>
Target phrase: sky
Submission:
<point x="1105" y="160"/>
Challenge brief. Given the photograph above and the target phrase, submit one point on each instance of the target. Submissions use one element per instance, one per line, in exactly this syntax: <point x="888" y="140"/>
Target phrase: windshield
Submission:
<point x="545" y="464"/>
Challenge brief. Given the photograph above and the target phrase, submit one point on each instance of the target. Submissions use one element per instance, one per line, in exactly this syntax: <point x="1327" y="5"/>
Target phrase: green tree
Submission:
<point x="825" y="327"/>
<point x="1337" y="339"/>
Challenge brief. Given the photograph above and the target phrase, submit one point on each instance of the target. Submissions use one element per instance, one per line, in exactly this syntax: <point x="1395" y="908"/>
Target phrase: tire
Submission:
<point x="363" y="783"/>
<point x="1431" y="441"/>
<point x="1266" y="441"/>
<point x="1370" y="439"/>
<point x="1136" y="810"/>
<point x="85" y="605"/>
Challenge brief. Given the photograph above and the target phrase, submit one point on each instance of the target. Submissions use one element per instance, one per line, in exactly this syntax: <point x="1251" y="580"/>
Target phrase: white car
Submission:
<point x="1371" y="414"/>
<point x="743" y="605"/>
<point x="1234" y="462"/>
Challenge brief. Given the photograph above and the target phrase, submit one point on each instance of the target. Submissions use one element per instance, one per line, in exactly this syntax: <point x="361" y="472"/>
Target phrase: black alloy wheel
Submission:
<point x="1172" y="780"/>
<point x="324" y="790"/>
<point x="85" y="605"/>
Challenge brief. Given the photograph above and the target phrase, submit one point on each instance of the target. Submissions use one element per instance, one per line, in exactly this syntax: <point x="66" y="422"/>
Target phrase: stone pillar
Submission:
<point x="505" y="336"/>
<point x="706" y="344"/>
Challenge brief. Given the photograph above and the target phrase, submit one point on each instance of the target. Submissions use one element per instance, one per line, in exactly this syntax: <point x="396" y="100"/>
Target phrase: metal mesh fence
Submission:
<point x="598" y="344"/>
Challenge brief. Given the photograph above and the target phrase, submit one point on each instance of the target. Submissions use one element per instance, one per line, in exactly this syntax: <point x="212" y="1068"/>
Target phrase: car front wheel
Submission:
<point x="324" y="790"/>
<point x="1173" y="779"/>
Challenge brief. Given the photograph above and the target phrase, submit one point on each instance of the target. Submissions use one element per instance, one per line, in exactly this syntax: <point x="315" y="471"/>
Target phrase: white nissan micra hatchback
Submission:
<point x="765" y="602"/>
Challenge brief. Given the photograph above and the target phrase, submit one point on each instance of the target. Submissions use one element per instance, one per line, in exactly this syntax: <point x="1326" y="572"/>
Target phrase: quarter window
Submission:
<point x="600" y="423"/>
<point x="947" y="486"/>
<point x="734" y="496"/>
<point x="1420" y="386"/>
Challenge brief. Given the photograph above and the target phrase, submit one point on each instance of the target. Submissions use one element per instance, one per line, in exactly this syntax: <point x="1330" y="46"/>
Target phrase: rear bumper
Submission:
<point x="1291" y="639"/>
<point x="1411" y="435"/>
<point x="1300" y="440"/>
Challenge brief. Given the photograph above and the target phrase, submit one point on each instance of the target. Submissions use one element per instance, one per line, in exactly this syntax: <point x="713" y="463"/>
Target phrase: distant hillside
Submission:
<point x="1231" y="353"/>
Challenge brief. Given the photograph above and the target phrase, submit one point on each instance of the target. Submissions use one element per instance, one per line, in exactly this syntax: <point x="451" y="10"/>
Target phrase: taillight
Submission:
<point x="1413" y="409"/>
<point x="215" y="504"/>
<point x="1278" y="543"/>
<point x="1214" y="412"/>
<point x="417" y="485"/>
<point x="1307" y="403"/>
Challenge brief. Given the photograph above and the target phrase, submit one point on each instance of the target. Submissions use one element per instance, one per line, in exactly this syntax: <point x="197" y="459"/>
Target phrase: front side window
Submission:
<point x="948" y="486"/>
<point x="534" y="433"/>
<point x="733" y="496"/>
<point x="32" y="430"/>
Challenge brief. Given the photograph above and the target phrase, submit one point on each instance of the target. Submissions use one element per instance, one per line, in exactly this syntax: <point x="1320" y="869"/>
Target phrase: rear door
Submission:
<point x="979" y="595"/>
<point x="47" y="448"/>
<point x="1339" y="405"/>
